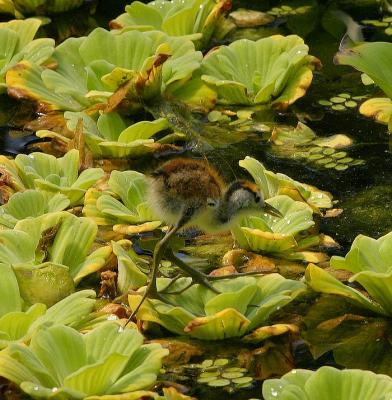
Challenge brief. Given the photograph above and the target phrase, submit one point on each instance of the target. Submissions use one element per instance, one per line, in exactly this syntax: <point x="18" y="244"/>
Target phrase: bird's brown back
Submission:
<point x="190" y="179"/>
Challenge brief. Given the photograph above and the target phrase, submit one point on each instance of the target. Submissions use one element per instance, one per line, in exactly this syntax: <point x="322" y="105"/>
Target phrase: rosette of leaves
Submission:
<point x="17" y="322"/>
<point x="49" y="254"/>
<point x="48" y="173"/>
<point x="350" y="384"/>
<point x="124" y="203"/>
<point x="370" y="261"/>
<point x="38" y="7"/>
<point x="195" y="19"/>
<point x="275" y="71"/>
<point x="30" y="204"/>
<point x="135" y="65"/>
<point x="244" y="306"/>
<point x="269" y="234"/>
<point x="111" y="136"/>
<point x="373" y="59"/>
<point x="62" y="363"/>
<point x="272" y="184"/>
<point x="17" y="43"/>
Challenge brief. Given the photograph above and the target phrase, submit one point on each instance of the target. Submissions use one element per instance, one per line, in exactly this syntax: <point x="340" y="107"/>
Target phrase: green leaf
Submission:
<point x="373" y="59"/>
<point x="61" y="363"/>
<point x="203" y="314"/>
<point x="31" y="203"/>
<point x="60" y="349"/>
<point x="271" y="234"/>
<point x="272" y="184"/>
<point x="194" y="19"/>
<point x="321" y="281"/>
<point x="10" y="299"/>
<point x="367" y="254"/>
<point x="275" y="71"/>
<point x="328" y="383"/>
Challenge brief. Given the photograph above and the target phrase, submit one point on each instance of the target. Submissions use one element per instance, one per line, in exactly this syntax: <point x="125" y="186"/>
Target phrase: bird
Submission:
<point x="186" y="192"/>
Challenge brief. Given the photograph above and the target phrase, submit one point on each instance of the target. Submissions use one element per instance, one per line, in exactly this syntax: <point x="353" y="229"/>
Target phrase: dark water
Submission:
<point x="364" y="192"/>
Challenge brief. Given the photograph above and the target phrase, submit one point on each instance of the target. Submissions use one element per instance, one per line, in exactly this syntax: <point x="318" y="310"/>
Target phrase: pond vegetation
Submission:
<point x="289" y="100"/>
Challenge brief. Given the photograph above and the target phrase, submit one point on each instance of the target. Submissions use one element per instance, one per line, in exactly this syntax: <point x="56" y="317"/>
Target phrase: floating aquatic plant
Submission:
<point x="286" y="10"/>
<point x="48" y="173"/>
<point x="328" y="383"/>
<point x="341" y="102"/>
<point x="272" y="184"/>
<point x="268" y="234"/>
<point x="38" y="7"/>
<point x="52" y="252"/>
<point x="384" y="23"/>
<point x="195" y="19"/>
<point x="17" y="43"/>
<point x="370" y="261"/>
<point x="30" y="204"/>
<point x="220" y="373"/>
<point x="245" y="304"/>
<point x="373" y="59"/>
<point x="91" y="69"/>
<point x="124" y="203"/>
<point x="302" y="143"/>
<point x="276" y="71"/>
<point x="62" y="363"/>
<point x="18" y="323"/>
<point x="109" y="135"/>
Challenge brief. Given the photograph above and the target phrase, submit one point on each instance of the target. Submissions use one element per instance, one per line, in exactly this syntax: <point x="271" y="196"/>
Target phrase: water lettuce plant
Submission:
<point x="276" y="71"/>
<point x="18" y="322"/>
<point x="91" y="69"/>
<point x="17" y="43"/>
<point x="48" y="173"/>
<point x="373" y="59"/>
<point x="124" y="203"/>
<point x="195" y="19"/>
<point x="110" y="136"/>
<point x="60" y="363"/>
<point x="329" y="383"/>
<point x="53" y="251"/>
<point x="370" y="261"/>
<point x="272" y="184"/>
<point x="268" y="234"/>
<point x="30" y="204"/>
<point x="38" y="7"/>
<point x="245" y="304"/>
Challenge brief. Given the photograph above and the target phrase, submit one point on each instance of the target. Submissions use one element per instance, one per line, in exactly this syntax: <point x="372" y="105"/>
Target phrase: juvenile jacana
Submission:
<point x="188" y="192"/>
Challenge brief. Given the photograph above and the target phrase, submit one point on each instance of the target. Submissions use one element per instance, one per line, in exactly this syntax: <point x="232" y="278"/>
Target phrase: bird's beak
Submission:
<point x="267" y="208"/>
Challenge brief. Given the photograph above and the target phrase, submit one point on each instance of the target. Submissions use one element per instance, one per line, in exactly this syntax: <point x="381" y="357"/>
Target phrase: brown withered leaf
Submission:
<point x="108" y="284"/>
<point x="181" y="352"/>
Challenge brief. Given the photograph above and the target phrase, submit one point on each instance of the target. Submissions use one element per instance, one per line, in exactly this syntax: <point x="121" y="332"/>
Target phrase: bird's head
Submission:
<point x="242" y="197"/>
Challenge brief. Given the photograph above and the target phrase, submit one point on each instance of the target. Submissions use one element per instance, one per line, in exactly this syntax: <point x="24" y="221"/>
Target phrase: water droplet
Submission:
<point x="274" y="393"/>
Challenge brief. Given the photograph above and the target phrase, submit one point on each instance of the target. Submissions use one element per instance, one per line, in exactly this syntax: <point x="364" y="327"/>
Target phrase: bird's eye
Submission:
<point x="211" y="202"/>
<point x="257" y="198"/>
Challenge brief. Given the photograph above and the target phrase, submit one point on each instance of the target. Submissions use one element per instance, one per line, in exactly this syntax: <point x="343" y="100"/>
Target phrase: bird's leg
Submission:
<point x="196" y="275"/>
<point x="229" y="276"/>
<point x="151" y="289"/>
